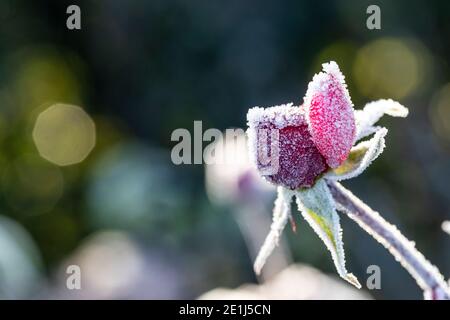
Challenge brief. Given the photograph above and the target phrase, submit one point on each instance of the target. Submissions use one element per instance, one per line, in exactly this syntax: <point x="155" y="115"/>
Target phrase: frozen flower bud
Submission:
<point x="329" y="112"/>
<point x="281" y="146"/>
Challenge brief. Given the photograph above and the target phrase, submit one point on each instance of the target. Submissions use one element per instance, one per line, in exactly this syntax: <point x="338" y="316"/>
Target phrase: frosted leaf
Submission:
<point x="281" y="214"/>
<point x="318" y="208"/>
<point x="446" y="226"/>
<point x="281" y="148"/>
<point x="360" y="157"/>
<point x="372" y="112"/>
<point x="329" y="112"/>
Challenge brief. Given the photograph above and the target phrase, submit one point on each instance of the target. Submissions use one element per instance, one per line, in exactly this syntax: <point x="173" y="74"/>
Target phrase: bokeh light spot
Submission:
<point x="440" y="113"/>
<point x="31" y="185"/>
<point x="343" y="52"/>
<point x="387" y="67"/>
<point x="110" y="261"/>
<point x="64" y="134"/>
<point x="20" y="261"/>
<point x="46" y="74"/>
<point x="134" y="186"/>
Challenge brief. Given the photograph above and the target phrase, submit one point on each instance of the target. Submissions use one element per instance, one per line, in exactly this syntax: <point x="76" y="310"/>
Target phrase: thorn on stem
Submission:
<point x="293" y="224"/>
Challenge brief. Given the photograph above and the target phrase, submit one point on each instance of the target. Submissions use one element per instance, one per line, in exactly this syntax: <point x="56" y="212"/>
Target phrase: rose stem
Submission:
<point x="427" y="276"/>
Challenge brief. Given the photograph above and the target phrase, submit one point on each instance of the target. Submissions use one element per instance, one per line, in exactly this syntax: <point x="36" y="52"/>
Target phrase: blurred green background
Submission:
<point x="111" y="200"/>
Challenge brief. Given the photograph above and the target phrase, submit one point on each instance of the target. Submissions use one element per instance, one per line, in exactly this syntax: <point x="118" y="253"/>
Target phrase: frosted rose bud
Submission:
<point x="281" y="146"/>
<point x="329" y="112"/>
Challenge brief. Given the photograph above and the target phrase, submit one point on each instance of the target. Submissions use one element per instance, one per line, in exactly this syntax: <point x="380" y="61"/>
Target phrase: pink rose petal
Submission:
<point x="329" y="112"/>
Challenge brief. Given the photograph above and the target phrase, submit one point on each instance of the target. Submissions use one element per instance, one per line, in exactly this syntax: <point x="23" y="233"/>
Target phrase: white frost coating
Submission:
<point x="257" y="148"/>
<point x="319" y="200"/>
<point x="252" y="141"/>
<point x="372" y="112"/>
<point x="446" y="226"/>
<point x="426" y="275"/>
<point x="281" y="215"/>
<point x="320" y="82"/>
<point x="276" y="117"/>
<point x="435" y="294"/>
<point x="374" y="147"/>
<point x="281" y="116"/>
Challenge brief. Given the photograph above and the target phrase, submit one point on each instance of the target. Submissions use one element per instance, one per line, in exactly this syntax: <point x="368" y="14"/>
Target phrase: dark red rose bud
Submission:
<point x="281" y="146"/>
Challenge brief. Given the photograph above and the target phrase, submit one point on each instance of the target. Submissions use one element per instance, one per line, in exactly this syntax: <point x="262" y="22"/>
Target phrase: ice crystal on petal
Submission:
<point x="329" y="112"/>
<point x="281" y="147"/>
<point x="281" y="215"/>
<point x="372" y="112"/>
<point x="360" y="157"/>
<point x="318" y="208"/>
<point x="279" y="117"/>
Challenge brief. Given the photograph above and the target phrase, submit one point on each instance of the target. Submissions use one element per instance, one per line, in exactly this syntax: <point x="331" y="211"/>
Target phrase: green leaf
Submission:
<point x="318" y="208"/>
<point x="360" y="157"/>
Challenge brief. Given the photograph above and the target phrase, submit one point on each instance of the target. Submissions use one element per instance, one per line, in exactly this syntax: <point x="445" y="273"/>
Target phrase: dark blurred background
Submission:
<point x="141" y="227"/>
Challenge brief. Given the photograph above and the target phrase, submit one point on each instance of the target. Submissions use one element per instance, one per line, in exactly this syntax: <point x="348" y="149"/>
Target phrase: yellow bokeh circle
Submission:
<point x="440" y="113"/>
<point x="64" y="134"/>
<point x="387" y="67"/>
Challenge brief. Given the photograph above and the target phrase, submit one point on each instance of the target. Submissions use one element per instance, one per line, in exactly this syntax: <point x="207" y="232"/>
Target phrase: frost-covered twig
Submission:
<point x="404" y="251"/>
<point x="446" y="226"/>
